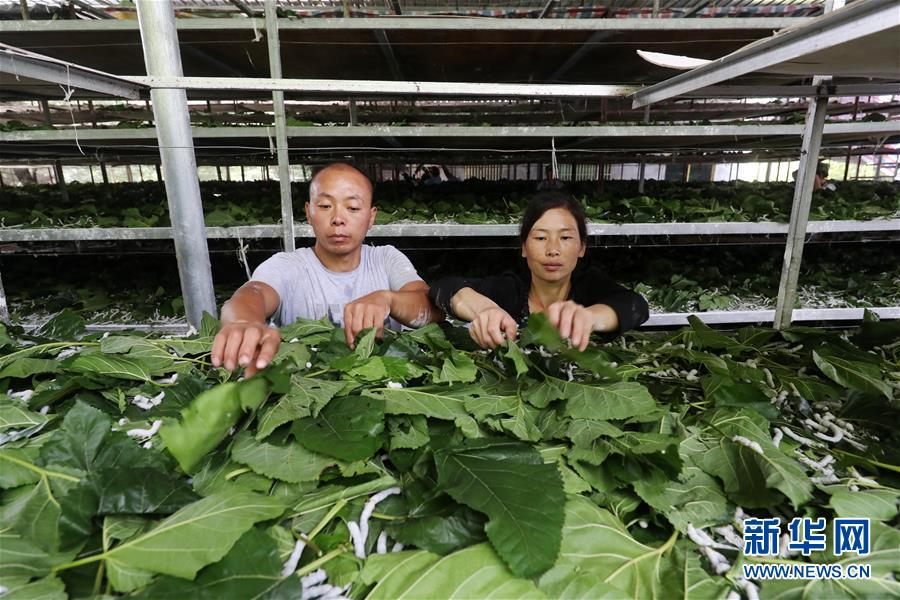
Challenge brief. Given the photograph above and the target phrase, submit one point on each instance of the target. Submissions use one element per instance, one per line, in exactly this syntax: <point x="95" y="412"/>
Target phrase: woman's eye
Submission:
<point x="540" y="238"/>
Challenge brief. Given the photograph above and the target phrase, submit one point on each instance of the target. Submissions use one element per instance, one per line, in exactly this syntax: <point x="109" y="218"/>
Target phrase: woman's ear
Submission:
<point x="523" y="250"/>
<point x="583" y="250"/>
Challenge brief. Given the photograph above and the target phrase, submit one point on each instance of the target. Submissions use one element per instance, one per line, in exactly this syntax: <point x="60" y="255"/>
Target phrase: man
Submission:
<point x="821" y="182"/>
<point x="432" y="176"/>
<point x="356" y="286"/>
<point x="550" y="182"/>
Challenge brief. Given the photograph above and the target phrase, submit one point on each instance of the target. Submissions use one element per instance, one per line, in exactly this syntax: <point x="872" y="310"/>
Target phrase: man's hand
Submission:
<point x="573" y="321"/>
<point x="245" y="344"/>
<point x="369" y="311"/>
<point x="492" y="327"/>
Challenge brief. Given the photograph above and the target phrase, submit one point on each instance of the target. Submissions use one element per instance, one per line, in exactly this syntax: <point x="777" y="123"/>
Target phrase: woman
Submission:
<point x="553" y="237"/>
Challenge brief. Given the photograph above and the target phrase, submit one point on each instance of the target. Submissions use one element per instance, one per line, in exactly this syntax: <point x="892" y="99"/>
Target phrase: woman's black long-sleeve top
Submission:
<point x="510" y="291"/>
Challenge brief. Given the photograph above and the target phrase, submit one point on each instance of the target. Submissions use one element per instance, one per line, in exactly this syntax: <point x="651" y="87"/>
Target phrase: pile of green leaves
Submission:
<point x="740" y="278"/>
<point x="531" y="471"/>
<point x="469" y="202"/>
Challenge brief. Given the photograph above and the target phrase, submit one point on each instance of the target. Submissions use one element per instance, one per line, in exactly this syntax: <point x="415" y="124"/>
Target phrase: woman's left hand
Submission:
<point x="573" y="321"/>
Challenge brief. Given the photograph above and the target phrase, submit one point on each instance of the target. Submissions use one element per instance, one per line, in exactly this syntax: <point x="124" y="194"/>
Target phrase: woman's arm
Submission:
<point x="491" y="325"/>
<point x="596" y="289"/>
<point x="605" y="317"/>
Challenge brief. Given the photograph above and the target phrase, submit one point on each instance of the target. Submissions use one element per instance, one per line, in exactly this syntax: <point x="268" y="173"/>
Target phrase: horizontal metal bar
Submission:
<point x="507" y="90"/>
<point x="793" y="91"/>
<point x="64" y="74"/>
<point x="178" y="329"/>
<point x="448" y="230"/>
<point x="418" y="24"/>
<point x="882" y="128"/>
<point x="853" y="22"/>
<point x="394" y="88"/>
<point x="742" y="317"/>
<point x="747" y="317"/>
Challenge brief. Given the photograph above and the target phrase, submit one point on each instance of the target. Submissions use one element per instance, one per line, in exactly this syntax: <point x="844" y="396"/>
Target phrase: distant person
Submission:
<point x="355" y="285"/>
<point x="577" y="302"/>
<point x="432" y="177"/>
<point x="820" y="182"/>
<point x="549" y="182"/>
<point x="450" y="177"/>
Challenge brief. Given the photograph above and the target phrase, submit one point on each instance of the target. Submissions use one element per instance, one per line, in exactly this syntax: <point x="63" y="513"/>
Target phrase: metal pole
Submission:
<point x="814" y="124"/>
<point x="57" y="164"/>
<point x="23" y="4"/>
<point x="803" y="189"/>
<point x="850" y="148"/>
<point x="643" y="163"/>
<point x="4" y="309"/>
<point x="156" y="19"/>
<point x="284" y="167"/>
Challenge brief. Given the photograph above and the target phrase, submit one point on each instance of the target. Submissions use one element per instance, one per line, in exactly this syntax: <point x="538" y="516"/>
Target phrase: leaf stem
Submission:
<point x="326" y="519"/>
<point x="81" y="561"/>
<point x="321" y="561"/>
<point x="41" y="348"/>
<point x="237" y="472"/>
<point x="39" y="470"/>
<point x="385" y="517"/>
<point x="98" y="579"/>
<point x="894" y="468"/>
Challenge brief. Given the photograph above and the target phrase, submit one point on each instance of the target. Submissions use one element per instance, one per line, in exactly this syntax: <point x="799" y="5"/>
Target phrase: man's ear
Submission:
<point x="372" y="216"/>
<point x="307" y="211"/>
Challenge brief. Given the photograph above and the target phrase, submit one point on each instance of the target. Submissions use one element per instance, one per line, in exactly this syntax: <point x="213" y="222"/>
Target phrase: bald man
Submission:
<point x="355" y="285"/>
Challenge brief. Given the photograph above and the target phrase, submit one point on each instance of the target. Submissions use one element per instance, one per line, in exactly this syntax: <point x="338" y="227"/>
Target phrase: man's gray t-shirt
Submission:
<point x="307" y="289"/>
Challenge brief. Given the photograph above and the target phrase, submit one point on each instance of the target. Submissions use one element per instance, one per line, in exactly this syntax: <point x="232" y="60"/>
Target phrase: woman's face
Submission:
<point x="553" y="246"/>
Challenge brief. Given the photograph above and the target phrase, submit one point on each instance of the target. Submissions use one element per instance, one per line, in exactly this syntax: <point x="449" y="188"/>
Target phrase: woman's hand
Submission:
<point x="491" y="327"/>
<point x="573" y="321"/>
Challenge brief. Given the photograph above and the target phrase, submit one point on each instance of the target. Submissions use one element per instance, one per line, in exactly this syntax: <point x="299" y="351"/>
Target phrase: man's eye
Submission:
<point x="324" y="206"/>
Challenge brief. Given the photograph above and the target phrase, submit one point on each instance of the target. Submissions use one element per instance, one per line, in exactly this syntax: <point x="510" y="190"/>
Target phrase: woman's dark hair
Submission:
<point x="547" y="200"/>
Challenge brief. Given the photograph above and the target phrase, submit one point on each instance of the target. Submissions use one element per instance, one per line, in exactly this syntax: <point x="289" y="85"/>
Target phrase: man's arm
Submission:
<point x="408" y="305"/>
<point x="245" y="339"/>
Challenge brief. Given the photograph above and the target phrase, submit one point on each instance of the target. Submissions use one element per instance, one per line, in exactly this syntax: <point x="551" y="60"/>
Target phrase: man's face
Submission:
<point x="340" y="210"/>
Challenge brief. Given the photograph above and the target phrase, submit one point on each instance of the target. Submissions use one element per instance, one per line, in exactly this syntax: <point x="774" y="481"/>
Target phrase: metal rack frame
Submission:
<point x="162" y="39"/>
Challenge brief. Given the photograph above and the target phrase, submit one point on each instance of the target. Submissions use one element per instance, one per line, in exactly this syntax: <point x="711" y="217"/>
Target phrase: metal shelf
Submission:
<point x="424" y="141"/>
<point x="464" y="24"/>
<point x="656" y="320"/>
<point x="748" y="317"/>
<point x="879" y="128"/>
<point x="399" y="230"/>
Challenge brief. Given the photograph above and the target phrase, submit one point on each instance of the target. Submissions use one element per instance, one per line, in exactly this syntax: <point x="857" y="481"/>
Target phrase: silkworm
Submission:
<point x="776" y="437"/>
<point x="739" y="439"/>
<point x="291" y="564"/>
<point x="145" y="433"/>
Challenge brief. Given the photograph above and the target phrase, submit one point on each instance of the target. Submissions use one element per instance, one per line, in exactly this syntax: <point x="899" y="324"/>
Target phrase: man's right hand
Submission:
<point x="492" y="326"/>
<point x="245" y="344"/>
